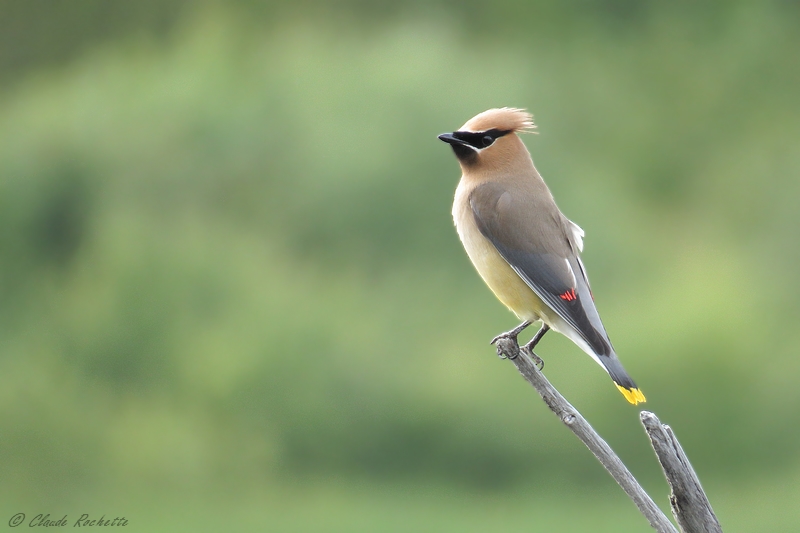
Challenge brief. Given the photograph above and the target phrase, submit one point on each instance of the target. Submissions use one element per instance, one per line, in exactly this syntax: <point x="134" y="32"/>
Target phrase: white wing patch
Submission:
<point x="571" y="273"/>
<point x="577" y="234"/>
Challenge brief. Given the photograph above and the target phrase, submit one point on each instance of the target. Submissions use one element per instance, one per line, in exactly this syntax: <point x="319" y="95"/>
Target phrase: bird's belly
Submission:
<point x="504" y="282"/>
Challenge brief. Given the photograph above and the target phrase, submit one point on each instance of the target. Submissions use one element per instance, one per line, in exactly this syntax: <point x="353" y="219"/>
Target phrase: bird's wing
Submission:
<point x="541" y="246"/>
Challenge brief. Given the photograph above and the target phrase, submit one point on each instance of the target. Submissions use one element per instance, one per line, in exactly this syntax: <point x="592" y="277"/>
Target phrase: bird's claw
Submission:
<point x="538" y="361"/>
<point x="502" y="336"/>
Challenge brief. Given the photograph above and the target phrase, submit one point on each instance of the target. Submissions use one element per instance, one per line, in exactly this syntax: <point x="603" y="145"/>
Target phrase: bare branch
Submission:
<point x="521" y="357"/>
<point x="689" y="503"/>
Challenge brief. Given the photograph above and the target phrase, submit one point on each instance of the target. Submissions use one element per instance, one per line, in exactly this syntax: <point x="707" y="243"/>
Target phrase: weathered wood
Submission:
<point x="521" y="357"/>
<point x="689" y="503"/>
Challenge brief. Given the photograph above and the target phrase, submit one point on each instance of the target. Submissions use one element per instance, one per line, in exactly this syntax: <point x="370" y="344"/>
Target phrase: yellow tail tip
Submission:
<point x="634" y="396"/>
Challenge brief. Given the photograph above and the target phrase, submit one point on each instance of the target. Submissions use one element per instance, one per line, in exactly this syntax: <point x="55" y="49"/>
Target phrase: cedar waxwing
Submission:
<point x="523" y="247"/>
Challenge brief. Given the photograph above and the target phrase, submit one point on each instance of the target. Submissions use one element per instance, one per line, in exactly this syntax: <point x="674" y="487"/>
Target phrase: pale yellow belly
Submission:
<point x="505" y="283"/>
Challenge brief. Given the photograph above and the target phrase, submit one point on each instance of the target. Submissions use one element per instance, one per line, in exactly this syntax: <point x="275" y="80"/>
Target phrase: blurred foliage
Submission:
<point x="229" y="264"/>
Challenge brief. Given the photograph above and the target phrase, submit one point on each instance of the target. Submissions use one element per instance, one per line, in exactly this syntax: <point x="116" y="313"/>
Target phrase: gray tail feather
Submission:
<point x="614" y="368"/>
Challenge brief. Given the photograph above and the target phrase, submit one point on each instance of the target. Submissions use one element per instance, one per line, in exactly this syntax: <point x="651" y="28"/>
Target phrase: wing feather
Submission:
<point x="534" y="238"/>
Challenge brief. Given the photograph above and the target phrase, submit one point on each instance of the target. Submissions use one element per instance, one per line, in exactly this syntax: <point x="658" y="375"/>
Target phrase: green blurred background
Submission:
<point x="232" y="298"/>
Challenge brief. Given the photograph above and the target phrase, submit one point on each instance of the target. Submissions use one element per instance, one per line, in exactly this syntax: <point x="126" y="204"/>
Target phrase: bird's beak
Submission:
<point x="450" y="139"/>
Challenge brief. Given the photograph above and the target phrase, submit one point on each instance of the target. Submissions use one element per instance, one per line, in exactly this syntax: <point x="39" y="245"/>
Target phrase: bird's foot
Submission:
<point x="508" y="348"/>
<point x="513" y="333"/>
<point x="507" y="345"/>
<point x="538" y="361"/>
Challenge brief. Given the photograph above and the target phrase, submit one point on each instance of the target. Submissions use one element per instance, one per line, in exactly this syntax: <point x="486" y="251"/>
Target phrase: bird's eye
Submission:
<point x="487" y="140"/>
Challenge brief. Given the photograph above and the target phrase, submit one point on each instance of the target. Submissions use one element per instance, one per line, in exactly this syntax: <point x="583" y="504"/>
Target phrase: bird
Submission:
<point x="521" y="244"/>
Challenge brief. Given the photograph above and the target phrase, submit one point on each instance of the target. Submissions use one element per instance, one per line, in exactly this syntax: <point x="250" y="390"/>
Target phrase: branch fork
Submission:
<point x="690" y="506"/>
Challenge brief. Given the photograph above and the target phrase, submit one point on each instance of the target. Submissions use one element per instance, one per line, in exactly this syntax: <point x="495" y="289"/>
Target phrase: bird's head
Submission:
<point x="488" y="139"/>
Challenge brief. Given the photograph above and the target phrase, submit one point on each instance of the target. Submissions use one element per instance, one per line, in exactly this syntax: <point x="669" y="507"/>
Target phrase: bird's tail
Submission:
<point x="602" y="352"/>
<point x="622" y="380"/>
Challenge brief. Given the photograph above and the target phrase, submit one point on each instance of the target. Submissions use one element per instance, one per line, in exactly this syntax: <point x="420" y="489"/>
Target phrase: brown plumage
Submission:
<point x="523" y="247"/>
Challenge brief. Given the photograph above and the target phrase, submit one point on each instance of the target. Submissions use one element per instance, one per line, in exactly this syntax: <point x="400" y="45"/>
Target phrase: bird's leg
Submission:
<point x="538" y="361"/>
<point x="536" y="338"/>
<point x="511" y="335"/>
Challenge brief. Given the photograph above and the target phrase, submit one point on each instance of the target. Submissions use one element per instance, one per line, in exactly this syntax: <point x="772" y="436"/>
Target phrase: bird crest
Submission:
<point x="503" y="119"/>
